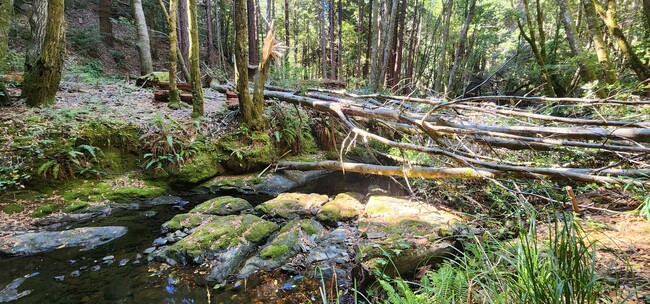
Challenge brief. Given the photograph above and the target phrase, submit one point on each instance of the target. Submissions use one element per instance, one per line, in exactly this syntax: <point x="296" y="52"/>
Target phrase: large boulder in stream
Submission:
<point x="344" y="207"/>
<point x="223" y="205"/>
<point x="293" y="205"/>
<point x="221" y="242"/>
<point x="404" y="234"/>
<point x="38" y="242"/>
<point x="295" y="237"/>
<point x="272" y="184"/>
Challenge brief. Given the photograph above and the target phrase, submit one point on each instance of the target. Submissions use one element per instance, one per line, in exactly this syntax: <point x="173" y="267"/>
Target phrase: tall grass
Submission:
<point x="558" y="268"/>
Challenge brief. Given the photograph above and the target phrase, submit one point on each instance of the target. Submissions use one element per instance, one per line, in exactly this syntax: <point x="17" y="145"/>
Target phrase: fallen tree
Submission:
<point x="466" y="141"/>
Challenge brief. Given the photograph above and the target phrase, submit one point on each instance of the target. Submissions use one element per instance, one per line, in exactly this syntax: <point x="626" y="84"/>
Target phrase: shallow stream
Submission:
<point x="117" y="272"/>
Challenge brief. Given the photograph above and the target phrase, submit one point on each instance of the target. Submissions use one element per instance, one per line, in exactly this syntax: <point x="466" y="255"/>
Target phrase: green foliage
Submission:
<point x="87" y="41"/>
<point x="559" y="268"/>
<point x="170" y="144"/>
<point x="644" y="210"/>
<point x="14" y="61"/>
<point x="89" y="71"/>
<point x="291" y="128"/>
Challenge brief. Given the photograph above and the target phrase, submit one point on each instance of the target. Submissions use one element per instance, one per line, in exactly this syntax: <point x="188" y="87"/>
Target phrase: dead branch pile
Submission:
<point x="600" y="141"/>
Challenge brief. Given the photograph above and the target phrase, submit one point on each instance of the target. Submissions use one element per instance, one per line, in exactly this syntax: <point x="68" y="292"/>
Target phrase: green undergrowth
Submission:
<point x="558" y="266"/>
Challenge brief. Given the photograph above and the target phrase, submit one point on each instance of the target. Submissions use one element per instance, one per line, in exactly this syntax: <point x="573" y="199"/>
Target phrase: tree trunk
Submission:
<point x="609" y="17"/>
<point x="330" y="42"/>
<point x="359" y="37"/>
<point x="646" y="12"/>
<point x="412" y="49"/>
<point x="323" y="43"/>
<point x="369" y="40"/>
<point x="183" y="35"/>
<point x="602" y="52"/>
<point x="105" y="25"/>
<point x="339" y="45"/>
<point x="195" y="61"/>
<point x="286" y="24"/>
<point x="447" y="10"/>
<point x="44" y="73"/>
<point x="390" y="33"/>
<point x="460" y="47"/>
<point x="251" y="116"/>
<point x="6" y="11"/>
<point x="37" y="24"/>
<point x="399" y="47"/>
<point x="253" y="44"/>
<point x="144" y="48"/>
<point x="174" y="97"/>
<point x="539" y="51"/>
<point x="212" y="59"/>
<point x="586" y="72"/>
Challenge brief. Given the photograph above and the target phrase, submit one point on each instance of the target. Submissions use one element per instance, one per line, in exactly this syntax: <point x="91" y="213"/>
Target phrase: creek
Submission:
<point x="118" y="272"/>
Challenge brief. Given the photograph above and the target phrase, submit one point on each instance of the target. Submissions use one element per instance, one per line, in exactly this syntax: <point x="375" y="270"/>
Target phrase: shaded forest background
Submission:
<point x="453" y="48"/>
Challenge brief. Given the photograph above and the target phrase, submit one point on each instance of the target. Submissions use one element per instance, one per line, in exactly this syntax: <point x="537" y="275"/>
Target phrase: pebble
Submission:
<point x="136" y="262"/>
<point x="108" y="257"/>
<point x="72" y="261"/>
<point x="75" y="274"/>
<point x="149" y="213"/>
<point x="159" y="241"/>
<point x="138" y="256"/>
<point x="237" y="284"/>
<point x="59" y="278"/>
<point x="108" y="262"/>
<point x="123" y="262"/>
<point x="95" y="268"/>
<point x="83" y="267"/>
<point x="149" y="250"/>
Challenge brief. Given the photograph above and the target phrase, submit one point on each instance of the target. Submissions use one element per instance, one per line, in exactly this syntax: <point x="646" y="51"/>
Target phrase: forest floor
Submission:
<point x="623" y="250"/>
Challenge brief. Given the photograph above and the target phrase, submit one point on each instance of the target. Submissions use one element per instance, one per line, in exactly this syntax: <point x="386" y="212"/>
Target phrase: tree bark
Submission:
<point x="144" y="48"/>
<point x="586" y="72"/>
<point x="105" y="24"/>
<point x="390" y="35"/>
<point x="286" y="23"/>
<point x="460" y="47"/>
<point x="646" y="12"/>
<point x="6" y="11"/>
<point x="44" y="73"/>
<point x="253" y="43"/>
<point x="602" y="52"/>
<point x="369" y="41"/>
<point x="212" y="59"/>
<point x="174" y="96"/>
<point x="183" y="35"/>
<point x="250" y="115"/>
<point x="609" y="17"/>
<point x="358" y="69"/>
<point x="439" y="76"/>
<point x="195" y="61"/>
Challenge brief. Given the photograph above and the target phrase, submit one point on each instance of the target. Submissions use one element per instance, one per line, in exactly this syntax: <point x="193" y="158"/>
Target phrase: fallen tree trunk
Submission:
<point x="446" y="135"/>
<point x="163" y="96"/>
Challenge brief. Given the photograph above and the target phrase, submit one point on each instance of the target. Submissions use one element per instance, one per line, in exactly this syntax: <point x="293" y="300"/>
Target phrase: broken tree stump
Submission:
<point x="163" y="96"/>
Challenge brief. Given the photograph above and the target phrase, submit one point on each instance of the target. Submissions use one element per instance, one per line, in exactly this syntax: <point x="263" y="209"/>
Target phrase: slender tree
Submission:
<point x="439" y="76"/>
<point x="105" y="24"/>
<point x="609" y="16"/>
<point x="460" y="46"/>
<point x="251" y="114"/>
<point x="6" y="10"/>
<point x="602" y="51"/>
<point x="43" y="74"/>
<point x="195" y="61"/>
<point x="144" y="46"/>
<point x="586" y="72"/>
<point x="253" y="43"/>
<point x="212" y="57"/>
<point x="174" y="96"/>
<point x="359" y="37"/>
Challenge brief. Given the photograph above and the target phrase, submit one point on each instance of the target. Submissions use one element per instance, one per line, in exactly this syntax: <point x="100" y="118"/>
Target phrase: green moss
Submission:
<point x="74" y="205"/>
<point x="223" y="205"/>
<point x="255" y="230"/>
<point x="45" y="210"/>
<point x="120" y="190"/>
<point x="247" y="153"/>
<point x="186" y="220"/>
<point x="13" y="208"/>
<point x="204" y="165"/>
<point x="272" y="251"/>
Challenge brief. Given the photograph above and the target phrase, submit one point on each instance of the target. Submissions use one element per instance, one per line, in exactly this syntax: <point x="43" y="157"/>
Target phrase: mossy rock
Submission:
<point x="292" y="205"/>
<point x="344" y="207"/>
<point x="223" y="232"/>
<point x="186" y="220"/>
<point x="410" y="233"/>
<point x="288" y="242"/>
<point x="115" y="160"/>
<point x="240" y="183"/>
<point x="124" y="189"/>
<point x="253" y="152"/>
<point x="204" y="165"/>
<point x="224" y="205"/>
<point x="13" y="208"/>
<point x="68" y="206"/>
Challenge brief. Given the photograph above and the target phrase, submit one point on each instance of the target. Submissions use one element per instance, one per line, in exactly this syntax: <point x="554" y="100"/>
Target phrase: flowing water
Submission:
<point x="89" y="278"/>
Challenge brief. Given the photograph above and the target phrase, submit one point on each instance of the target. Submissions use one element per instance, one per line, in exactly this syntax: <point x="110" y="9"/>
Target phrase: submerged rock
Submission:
<point x="295" y="237"/>
<point x="272" y="184"/>
<point x="224" y="205"/>
<point x="167" y="200"/>
<point x="222" y="243"/>
<point x="344" y="207"/>
<point x="408" y="233"/>
<point x="39" y="242"/>
<point x="293" y="205"/>
<point x="186" y="221"/>
<point x="10" y="292"/>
